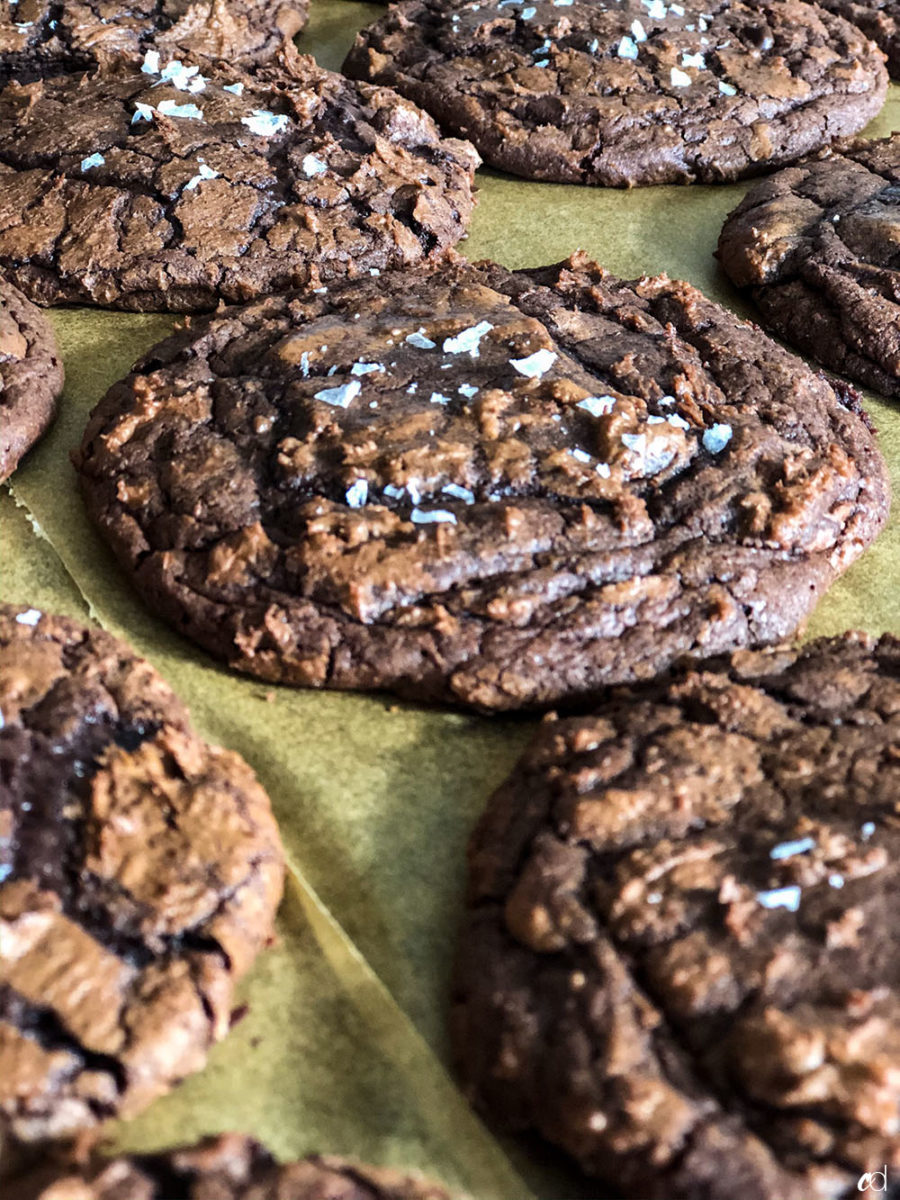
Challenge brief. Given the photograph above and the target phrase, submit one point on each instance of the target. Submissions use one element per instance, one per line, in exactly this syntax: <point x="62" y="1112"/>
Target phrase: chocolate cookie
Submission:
<point x="627" y="93"/>
<point x="140" y="870"/>
<point x="681" y="958"/>
<point x="168" y="188"/>
<point x="228" y="1167"/>
<point x="478" y="486"/>
<point x="878" y="19"/>
<point x="40" y="38"/>
<point x="818" y="245"/>
<point x="31" y="377"/>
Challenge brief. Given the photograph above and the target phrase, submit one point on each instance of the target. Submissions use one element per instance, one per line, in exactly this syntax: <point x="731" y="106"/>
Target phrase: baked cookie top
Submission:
<point x="818" y="245"/>
<point x="629" y="92"/>
<point x="878" y="19"/>
<point x="230" y="1167"/>
<point x="140" y="870"/>
<point x="171" y="187"/>
<point x="31" y="376"/>
<point x="500" y="489"/>
<point x="39" y="37"/>
<point x="681" y="958"/>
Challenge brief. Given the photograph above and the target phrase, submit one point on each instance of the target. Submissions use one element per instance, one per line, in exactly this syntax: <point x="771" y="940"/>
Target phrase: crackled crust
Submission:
<point x="878" y="19"/>
<point x="818" y="245"/>
<point x="275" y="480"/>
<point x="580" y="93"/>
<point x="31" y="376"/>
<point x="230" y="1166"/>
<point x="43" y="37"/>
<point x="140" y="870"/>
<point x="680" y="959"/>
<point x="205" y="195"/>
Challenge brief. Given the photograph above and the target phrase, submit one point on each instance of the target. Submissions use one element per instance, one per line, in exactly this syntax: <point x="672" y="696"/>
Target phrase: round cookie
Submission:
<point x="40" y="38"/>
<point x="681" y="960"/>
<point x="628" y="93"/>
<point x="471" y="485"/>
<point x="31" y="376"/>
<point x="818" y="245"/>
<point x="168" y="188"/>
<point x="878" y="19"/>
<point x="229" y="1167"/>
<point x="140" y="870"/>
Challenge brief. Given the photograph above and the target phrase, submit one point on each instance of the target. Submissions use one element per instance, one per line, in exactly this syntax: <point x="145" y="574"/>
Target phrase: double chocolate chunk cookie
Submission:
<point x="140" y="870"/>
<point x="626" y="92"/>
<point x="681" y="957"/>
<point x="878" y="19"/>
<point x="818" y="245"/>
<point x="166" y="187"/>
<point x="40" y="38"/>
<point x="229" y="1167"/>
<point x="496" y="488"/>
<point x="31" y="376"/>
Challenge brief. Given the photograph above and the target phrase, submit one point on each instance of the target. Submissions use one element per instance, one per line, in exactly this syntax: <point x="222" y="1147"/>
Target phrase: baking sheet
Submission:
<point x="343" y="1047"/>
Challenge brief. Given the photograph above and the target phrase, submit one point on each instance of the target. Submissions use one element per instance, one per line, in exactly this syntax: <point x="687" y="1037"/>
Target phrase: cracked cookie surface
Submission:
<point x="166" y="188"/>
<point x="42" y="37"/>
<point x="680" y="960"/>
<point x="140" y="870"/>
<point x="229" y="1167"/>
<point x="499" y="489"/>
<point x="818" y="247"/>
<point x="878" y="19"/>
<point x="31" y="376"/>
<point x="627" y="93"/>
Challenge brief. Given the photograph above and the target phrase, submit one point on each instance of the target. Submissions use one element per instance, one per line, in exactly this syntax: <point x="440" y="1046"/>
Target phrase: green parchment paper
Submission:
<point x="344" y="1047"/>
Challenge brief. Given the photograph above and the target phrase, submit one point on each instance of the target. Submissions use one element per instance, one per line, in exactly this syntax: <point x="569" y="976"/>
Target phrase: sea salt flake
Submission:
<point x="365" y="368"/>
<point x="627" y="48"/>
<point x="533" y="366"/>
<point x="867" y="830"/>
<point x="786" y="897"/>
<point x="236" y="89"/>
<point x="836" y="881"/>
<point x="312" y="166"/>
<point x="395" y="493"/>
<point x="716" y="438"/>
<point x="341" y="397"/>
<point x="150" y="65"/>
<point x="693" y="60"/>
<point x="420" y="341"/>
<point x="460" y="493"/>
<point x="265" y="123"/>
<point x="581" y="455"/>
<point x="603" y="470"/>
<point x="357" y="493"/>
<point x="438" y="398"/>
<point x="679" y="78"/>
<point x="142" y="112"/>
<point x="171" y="108"/>
<point x="93" y="160"/>
<point x="789" y="849"/>
<point x="468" y="390"/>
<point x="203" y="172"/>
<point x="597" y="406"/>
<point x="726" y="88"/>
<point x="31" y="616"/>
<point x="638" y="32"/>
<point x="656" y="10"/>
<point x="467" y="340"/>
<point x="527" y="13"/>
<point x="421" y="516"/>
